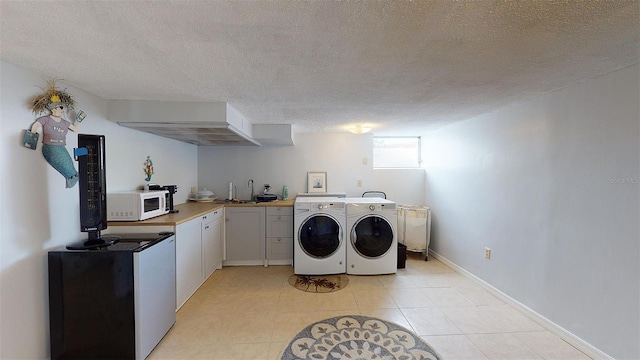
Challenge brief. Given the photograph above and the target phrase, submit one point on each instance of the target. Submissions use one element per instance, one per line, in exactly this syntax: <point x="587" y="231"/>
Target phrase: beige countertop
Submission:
<point x="191" y="210"/>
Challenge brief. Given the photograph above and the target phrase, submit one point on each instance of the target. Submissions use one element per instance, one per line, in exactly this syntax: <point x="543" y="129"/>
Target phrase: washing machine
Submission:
<point x="319" y="236"/>
<point x="372" y="248"/>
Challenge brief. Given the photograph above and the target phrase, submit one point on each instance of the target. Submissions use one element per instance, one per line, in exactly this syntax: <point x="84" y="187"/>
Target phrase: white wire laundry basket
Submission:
<point x="414" y="228"/>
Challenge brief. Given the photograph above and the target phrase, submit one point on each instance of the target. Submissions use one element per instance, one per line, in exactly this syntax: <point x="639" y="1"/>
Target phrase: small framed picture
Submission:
<point x="317" y="182"/>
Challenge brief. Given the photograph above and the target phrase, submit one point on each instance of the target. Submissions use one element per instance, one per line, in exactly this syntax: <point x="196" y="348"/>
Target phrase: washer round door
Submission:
<point x="372" y="236"/>
<point x="320" y="236"/>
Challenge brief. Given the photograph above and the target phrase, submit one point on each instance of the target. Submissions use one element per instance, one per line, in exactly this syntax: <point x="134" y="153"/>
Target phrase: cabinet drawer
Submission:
<point x="213" y="215"/>
<point x="279" y="210"/>
<point x="281" y="248"/>
<point x="280" y="226"/>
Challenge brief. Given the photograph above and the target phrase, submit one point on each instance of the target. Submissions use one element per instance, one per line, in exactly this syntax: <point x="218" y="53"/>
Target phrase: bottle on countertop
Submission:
<point x="285" y="192"/>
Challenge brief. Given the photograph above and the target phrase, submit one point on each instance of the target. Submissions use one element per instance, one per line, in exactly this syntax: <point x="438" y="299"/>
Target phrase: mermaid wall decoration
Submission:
<point x="54" y="128"/>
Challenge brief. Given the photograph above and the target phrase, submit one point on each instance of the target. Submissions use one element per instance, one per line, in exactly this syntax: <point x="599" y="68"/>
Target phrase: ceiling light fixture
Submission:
<point x="359" y="129"/>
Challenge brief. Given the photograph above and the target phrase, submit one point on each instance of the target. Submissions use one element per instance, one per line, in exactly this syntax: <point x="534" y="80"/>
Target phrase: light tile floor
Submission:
<point x="253" y="312"/>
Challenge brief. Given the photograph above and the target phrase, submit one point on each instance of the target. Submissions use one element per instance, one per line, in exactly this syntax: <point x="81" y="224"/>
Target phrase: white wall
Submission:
<point x="340" y="155"/>
<point x="39" y="213"/>
<point x="404" y="186"/>
<point x="552" y="187"/>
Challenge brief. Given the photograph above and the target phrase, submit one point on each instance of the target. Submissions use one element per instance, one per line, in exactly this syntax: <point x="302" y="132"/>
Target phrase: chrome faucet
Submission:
<point x="250" y="184"/>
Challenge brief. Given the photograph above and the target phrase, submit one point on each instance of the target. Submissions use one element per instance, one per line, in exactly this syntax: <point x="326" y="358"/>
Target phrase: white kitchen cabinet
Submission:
<point x="279" y="235"/>
<point x="199" y="252"/>
<point x="199" y="249"/>
<point x="245" y="236"/>
<point x="189" y="265"/>
<point x="212" y="241"/>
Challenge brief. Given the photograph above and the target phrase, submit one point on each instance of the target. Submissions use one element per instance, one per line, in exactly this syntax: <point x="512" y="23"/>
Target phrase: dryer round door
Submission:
<point x="319" y="236"/>
<point x="372" y="236"/>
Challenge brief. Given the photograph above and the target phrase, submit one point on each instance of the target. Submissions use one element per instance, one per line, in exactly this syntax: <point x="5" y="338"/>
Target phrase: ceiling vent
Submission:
<point x="195" y="133"/>
<point x="191" y="122"/>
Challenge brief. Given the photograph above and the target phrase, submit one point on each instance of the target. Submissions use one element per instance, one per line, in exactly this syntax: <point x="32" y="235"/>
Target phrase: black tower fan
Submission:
<point x="92" y="182"/>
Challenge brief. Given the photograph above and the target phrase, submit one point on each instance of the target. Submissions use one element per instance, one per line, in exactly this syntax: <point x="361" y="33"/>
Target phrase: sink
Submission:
<point x="234" y="202"/>
<point x="243" y="202"/>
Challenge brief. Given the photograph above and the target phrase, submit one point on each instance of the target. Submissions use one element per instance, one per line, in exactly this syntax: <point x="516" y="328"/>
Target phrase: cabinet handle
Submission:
<point x="279" y="239"/>
<point x="279" y="217"/>
<point x="206" y="227"/>
<point x="204" y="218"/>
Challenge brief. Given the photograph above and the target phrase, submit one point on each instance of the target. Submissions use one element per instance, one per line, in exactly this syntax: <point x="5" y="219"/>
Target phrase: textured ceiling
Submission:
<point x="400" y="66"/>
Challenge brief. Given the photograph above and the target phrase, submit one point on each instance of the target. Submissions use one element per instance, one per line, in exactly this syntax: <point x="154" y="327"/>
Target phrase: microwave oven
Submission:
<point x="136" y="205"/>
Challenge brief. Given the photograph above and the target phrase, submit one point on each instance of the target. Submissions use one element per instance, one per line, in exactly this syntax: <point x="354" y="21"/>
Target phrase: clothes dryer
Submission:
<point x="319" y="236"/>
<point x="372" y="248"/>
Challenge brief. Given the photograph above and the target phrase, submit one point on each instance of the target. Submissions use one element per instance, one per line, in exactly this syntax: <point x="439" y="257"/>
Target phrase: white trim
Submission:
<point x="564" y="334"/>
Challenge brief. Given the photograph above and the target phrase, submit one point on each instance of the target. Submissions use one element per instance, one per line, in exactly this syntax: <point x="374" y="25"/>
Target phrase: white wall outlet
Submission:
<point x="359" y="183"/>
<point x="487" y="253"/>
<point x="193" y="189"/>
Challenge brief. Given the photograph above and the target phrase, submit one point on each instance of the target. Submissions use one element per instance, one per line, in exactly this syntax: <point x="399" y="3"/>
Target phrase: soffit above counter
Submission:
<point x="198" y="123"/>
<point x="195" y="133"/>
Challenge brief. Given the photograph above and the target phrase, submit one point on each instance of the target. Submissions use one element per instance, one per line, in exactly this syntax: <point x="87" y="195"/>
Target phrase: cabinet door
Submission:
<point x="245" y="235"/>
<point x="208" y="248"/>
<point x="218" y="242"/>
<point x="212" y="241"/>
<point x="189" y="269"/>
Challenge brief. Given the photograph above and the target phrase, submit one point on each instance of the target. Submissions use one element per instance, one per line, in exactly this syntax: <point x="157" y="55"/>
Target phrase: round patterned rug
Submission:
<point x="318" y="284"/>
<point x="357" y="337"/>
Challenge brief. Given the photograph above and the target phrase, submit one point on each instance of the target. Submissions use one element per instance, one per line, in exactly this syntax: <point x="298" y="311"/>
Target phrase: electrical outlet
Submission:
<point x="193" y="189"/>
<point x="365" y="161"/>
<point x="487" y="253"/>
<point x="359" y="183"/>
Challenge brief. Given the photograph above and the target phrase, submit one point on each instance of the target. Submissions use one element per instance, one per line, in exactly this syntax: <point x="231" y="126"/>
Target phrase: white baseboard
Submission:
<point x="564" y="334"/>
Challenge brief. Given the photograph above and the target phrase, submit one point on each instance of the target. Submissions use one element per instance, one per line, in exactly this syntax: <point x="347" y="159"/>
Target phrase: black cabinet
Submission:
<point x="114" y="302"/>
<point x="91" y="305"/>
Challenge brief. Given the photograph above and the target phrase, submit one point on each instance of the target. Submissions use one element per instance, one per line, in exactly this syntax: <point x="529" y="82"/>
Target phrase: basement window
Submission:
<point x="391" y="152"/>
